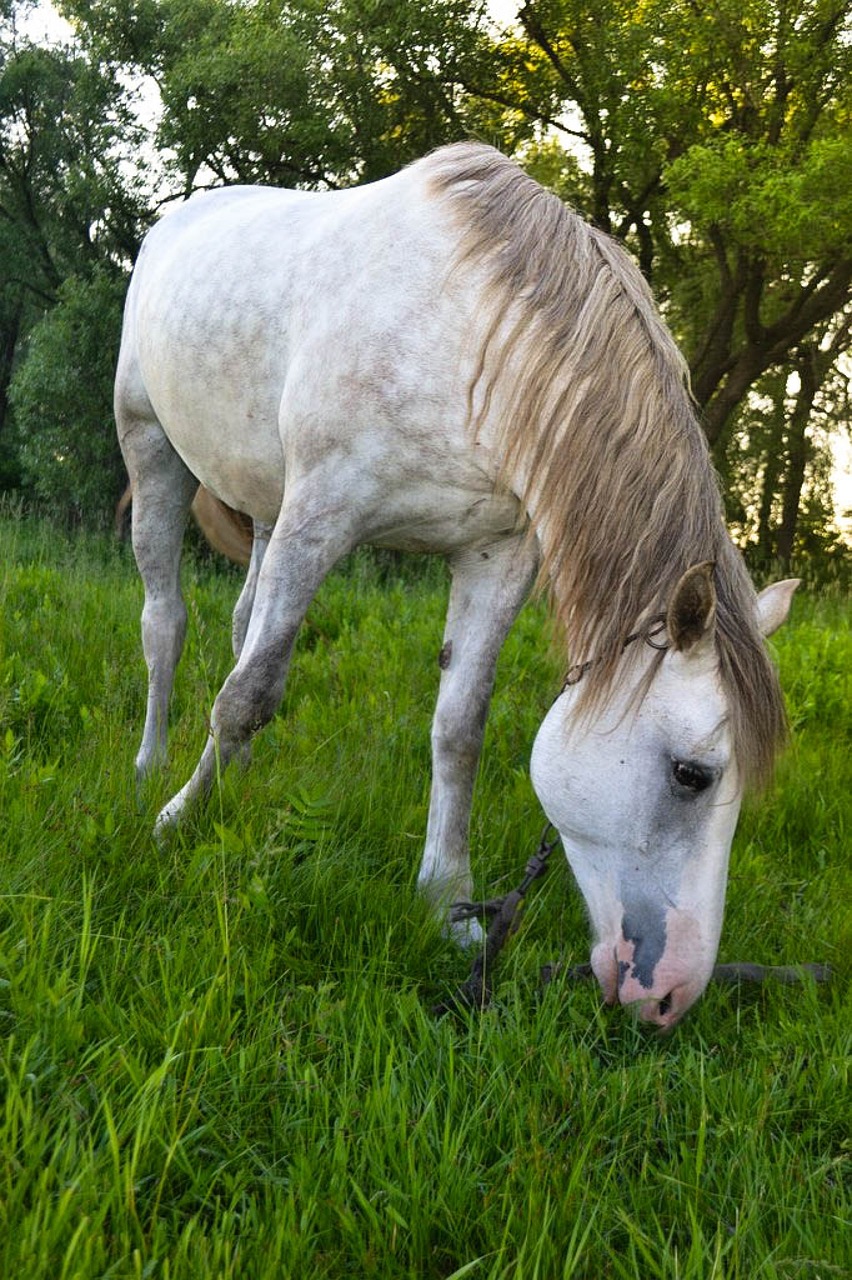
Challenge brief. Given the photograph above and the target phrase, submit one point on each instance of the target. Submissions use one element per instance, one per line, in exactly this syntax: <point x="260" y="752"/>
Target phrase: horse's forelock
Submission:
<point x="598" y="434"/>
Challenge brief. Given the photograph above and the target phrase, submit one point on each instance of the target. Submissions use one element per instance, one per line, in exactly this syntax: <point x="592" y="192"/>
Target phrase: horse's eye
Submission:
<point x="692" y="777"/>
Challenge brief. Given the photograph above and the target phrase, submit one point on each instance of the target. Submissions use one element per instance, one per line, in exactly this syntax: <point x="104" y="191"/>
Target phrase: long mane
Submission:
<point x="597" y="432"/>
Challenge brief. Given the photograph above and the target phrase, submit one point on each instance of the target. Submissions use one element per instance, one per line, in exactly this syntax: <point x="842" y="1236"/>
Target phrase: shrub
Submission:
<point x="62" y="397"/>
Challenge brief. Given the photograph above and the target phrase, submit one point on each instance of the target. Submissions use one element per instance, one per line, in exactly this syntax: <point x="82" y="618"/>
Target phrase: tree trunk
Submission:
<point x="772" y="470"/>
<point x="8" y="344"/>
<point x="797" y="452"/>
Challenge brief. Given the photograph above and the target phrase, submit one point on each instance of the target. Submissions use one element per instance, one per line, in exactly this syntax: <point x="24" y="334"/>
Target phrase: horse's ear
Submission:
<point x="691" y="613"/>
<point x="773" y="604"/>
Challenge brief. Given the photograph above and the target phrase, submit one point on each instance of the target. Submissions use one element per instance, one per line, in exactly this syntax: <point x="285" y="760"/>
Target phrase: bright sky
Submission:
<point x="504" y="11"/>
<point x="43" y="23"/>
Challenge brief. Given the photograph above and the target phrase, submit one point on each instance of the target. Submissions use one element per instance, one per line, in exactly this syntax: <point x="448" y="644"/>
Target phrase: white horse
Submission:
<point x="451" y="361"/>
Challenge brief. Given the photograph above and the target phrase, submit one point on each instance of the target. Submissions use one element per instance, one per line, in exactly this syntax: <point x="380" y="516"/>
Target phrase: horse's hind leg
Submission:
<point x="261" y="534"/>
<point x="312" y="533"/>
<point x="488" y="588"/>
<point x="163" y="489"/>
<point x="242" y="610"/>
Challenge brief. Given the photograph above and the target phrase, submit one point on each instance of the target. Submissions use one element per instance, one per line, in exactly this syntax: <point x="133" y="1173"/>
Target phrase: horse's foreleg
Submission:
<point x="489" y="586"/>
<point x="163" y="490"/>
<point x="306" y="543"/>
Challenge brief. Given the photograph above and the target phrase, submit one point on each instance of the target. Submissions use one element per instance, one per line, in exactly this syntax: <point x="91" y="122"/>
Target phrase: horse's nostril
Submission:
<point x="665" y="1005"/>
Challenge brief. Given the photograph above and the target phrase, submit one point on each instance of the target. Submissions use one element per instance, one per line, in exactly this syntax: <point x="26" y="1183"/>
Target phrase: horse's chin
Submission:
<point x="605" y="969"/>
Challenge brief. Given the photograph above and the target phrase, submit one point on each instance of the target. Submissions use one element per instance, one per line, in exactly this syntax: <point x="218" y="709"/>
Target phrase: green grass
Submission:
<point x="218" y="1058"/>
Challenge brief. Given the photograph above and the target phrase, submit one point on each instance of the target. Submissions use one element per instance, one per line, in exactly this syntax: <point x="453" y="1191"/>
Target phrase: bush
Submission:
<point x="62" y="397"/>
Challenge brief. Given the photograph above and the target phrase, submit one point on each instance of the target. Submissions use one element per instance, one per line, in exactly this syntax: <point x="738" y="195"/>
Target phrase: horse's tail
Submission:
<point x="121" y="509"/>
<point x="227" y="531"/>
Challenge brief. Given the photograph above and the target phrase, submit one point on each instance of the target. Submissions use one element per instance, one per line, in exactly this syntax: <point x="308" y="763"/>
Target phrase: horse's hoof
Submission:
<point x="167" y="821"/>
<point x="466" y="934"/>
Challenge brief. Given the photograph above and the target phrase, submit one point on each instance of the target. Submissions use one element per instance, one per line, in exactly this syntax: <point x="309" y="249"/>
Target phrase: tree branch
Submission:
<point x="531" y="113"/>
<point x="534" y="29"/>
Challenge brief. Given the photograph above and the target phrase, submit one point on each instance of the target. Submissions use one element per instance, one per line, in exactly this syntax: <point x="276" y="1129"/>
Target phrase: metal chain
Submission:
<point x="476" y="992"/>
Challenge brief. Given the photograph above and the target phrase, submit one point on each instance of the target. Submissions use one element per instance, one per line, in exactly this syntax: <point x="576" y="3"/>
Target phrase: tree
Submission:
<point x="69" y="207"/>
<point x="715" y="141"/>
<point x="299" y="93"/>
<point x="62" y="397"/>
<point x="777" y="461"/>
<point x="712" y="140"/>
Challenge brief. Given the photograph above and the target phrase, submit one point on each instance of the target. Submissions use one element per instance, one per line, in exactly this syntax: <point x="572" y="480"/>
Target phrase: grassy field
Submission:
<point x="218" y="1059"/>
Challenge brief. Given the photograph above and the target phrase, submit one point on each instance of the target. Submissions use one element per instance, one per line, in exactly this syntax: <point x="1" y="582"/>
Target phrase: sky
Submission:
<point x="44" y="23"/>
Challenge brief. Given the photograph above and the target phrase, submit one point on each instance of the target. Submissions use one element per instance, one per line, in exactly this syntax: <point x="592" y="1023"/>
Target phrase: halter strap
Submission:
<point x="650" y="634"/>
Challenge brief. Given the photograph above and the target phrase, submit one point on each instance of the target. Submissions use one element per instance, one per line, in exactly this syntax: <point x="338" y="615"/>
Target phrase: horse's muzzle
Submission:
<point x="663" y="1001"/>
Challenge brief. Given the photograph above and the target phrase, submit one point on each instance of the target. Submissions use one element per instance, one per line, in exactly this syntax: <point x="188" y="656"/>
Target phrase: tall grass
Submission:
<point x="218" y="1058"/>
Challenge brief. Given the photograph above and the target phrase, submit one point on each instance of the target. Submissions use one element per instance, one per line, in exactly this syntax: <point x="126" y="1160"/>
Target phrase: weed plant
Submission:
<point x="217" y="1058"/>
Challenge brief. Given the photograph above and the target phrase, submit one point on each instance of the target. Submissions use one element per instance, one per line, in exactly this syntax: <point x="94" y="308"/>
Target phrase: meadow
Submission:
<point x="218" y="1059"/>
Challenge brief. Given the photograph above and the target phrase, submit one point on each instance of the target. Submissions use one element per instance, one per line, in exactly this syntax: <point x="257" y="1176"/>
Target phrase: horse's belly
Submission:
<point x="245" y="469"/>
<point x="445" y="520"/>
<point x="219" y="411"/>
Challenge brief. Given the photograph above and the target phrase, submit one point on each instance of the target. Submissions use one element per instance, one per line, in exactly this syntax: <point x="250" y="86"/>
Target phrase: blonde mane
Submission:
<point x="598" y="433"/>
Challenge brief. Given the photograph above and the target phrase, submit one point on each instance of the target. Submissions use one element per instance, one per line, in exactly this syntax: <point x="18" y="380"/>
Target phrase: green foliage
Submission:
<point x="753" y="460"/>
<point x="217" y="1058"/>
<point x="69" y="209"/>
<point x="794" y="208"/>
<point x="714" y="141"/>
<point x="62" y="395"/>
<point x="299" y="93"/>
<point x="66" y="133"/>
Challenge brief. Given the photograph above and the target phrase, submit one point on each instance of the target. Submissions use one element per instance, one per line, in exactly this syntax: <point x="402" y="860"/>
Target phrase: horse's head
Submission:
<point x="646" y="797"/>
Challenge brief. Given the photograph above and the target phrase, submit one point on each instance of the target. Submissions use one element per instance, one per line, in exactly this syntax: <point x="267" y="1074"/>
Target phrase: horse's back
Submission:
<point x="271" y="327"/>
